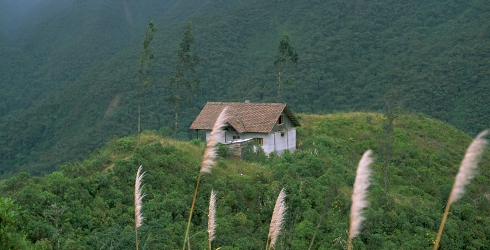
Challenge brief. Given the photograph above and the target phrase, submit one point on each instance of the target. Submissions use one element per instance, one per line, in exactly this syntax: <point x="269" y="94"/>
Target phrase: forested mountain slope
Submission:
<point x="96" y="195"/>
<point x="75" y="83"/>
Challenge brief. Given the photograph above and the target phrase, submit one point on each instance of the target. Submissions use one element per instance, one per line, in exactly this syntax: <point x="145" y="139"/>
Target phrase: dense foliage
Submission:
<point x="69" y="70"/>
<point x="89" y="204"/>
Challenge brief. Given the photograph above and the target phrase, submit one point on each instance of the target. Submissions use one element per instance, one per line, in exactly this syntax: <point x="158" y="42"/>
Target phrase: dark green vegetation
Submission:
<point x="284" y="58"/>
<point x="96" y="195"/>
<point x="68" y="70"/>
<point x="180" y="87"/>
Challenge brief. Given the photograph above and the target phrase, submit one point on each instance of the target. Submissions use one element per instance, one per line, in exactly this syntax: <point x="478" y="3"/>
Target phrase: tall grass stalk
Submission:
<point x="207" y="162"/>
<point x="361" y="185"/>
<point x="466" y="172"/>
<point x="211" y="218"/>
<point x="277" y="220"/>
<point x="138" y="197"/>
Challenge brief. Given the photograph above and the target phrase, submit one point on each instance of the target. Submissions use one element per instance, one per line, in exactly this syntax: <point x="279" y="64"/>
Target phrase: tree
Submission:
<point x="146" y="56"/>
<point x="385" y="144"/>
<point x="10" y="235"/>
<point x="180" y="88"/>
<point x="284" y="58"/>
<point x="55" y="216"/>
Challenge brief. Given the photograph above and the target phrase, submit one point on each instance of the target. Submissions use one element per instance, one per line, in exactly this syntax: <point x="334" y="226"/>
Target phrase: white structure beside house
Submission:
<point x="273" y="125"/>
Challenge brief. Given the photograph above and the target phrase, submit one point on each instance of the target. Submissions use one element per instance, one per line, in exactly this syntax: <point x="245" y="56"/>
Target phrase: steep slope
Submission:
<point x="97" y="194"/>
<point x="58" y="55"/>
<point x="15" y="67"/>
<point x="433" y="54"/>
<point x="67" y="39"/>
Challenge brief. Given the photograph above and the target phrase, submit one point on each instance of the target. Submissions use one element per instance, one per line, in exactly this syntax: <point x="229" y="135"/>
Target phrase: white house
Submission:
<point x="272" y="125"/>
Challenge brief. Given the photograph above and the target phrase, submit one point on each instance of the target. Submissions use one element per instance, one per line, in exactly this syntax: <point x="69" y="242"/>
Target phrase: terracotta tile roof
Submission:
<point x="244" y="117"/>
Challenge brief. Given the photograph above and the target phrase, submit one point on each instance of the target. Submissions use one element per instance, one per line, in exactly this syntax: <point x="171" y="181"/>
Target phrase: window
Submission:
<point x="235" y="137"/>
<point x="260" y="141"/>
<point x="280" y="121"/>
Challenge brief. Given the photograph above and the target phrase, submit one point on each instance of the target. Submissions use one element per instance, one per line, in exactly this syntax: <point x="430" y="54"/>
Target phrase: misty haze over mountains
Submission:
<point x="64" y="62"/>
<point x="13" y="13"/>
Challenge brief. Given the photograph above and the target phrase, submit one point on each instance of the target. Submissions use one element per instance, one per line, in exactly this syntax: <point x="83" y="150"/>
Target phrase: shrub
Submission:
<point x="223" y="150"/>
<point x="196" y="142"/>
<point x="125" y="144"/>
<point x="253" y="152"/>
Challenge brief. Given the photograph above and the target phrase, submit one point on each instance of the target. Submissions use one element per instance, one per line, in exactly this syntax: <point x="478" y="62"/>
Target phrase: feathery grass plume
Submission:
<point x="210" y="152"/>
<point x="211" y="218"/>
<point x="465" y="175"/>
<point x="138" y="197"/>
<point x="468" y="166"/>
<point x="361" y="185"/>
<point x="277" y="220"/>
<point x="208" y="160"/>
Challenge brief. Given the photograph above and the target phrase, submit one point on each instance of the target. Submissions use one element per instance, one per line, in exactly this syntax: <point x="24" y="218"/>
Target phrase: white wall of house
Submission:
<point x="282" y="137"/>
<point x="285" y="140"/>
<point x="276" y="141"/>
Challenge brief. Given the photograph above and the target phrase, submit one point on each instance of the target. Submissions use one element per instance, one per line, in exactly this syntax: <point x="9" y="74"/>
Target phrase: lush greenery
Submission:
<point x="89" y="204"/>
<point x="69" y="70"/>
<point x="67" y="86"/>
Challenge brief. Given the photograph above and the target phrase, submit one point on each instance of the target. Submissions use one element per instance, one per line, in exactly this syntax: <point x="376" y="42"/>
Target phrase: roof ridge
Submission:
<point x="248" y="103"/>
<point x="244" y="117"/>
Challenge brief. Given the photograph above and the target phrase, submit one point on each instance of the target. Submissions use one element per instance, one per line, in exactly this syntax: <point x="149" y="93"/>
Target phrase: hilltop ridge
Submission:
<point x="317" y="178"/>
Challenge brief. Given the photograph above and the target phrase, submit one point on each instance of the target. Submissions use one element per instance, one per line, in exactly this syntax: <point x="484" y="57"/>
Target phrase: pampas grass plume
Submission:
<point x="207" y="162"/>
<point x="210" y="152"/>
<point x="277" y="218"/>
<point x="211" y="217"/>
<point x="466" y="172"/>
<point x="361" y="185"/>
<point x="138" y="197"/>
<point x="468" y="167"/>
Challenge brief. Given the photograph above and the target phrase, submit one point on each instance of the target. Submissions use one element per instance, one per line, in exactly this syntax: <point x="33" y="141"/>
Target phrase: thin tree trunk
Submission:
<point x="176" y="120"/>
<point x="279" y="87"/>
<point x="140" y="87"/>
<point x="139" y="115"/>
<point x="177" y="100"/>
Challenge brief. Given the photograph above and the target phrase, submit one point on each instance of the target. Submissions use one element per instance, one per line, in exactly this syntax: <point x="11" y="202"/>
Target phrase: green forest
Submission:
<point x="69" y="77"/>
<point x="79" y="79"/>
<point x="90" y="205"/>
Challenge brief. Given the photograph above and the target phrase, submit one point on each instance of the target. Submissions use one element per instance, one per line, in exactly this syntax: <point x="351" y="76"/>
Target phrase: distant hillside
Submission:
<point x="74" y="63"/>
<point x="96" y="195"/>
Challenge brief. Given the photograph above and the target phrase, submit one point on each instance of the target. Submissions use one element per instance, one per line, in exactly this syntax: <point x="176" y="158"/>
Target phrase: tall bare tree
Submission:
<point x="180" y="88"/>
<point x="146" y="56"/>
<point x="284" y="58"/>
<point x="385" y="143"/>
